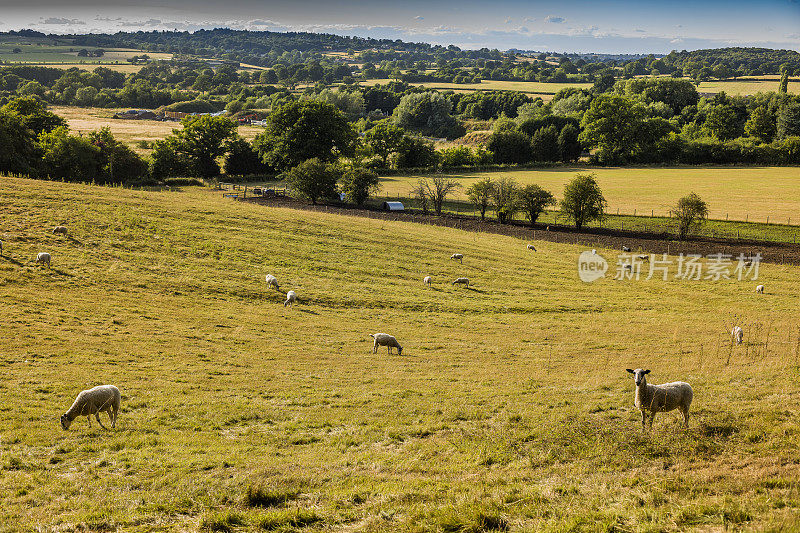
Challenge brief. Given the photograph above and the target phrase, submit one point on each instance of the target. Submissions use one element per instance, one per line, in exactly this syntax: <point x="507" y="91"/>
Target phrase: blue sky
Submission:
<point x="620" y="26"/>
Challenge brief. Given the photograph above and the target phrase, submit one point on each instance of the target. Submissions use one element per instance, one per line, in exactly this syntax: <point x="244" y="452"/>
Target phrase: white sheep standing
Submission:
<point x="291" y="298"/>
<point x="60" y="229"/>
<point x="460" y="257"/>
<point x="737" y="334"/>
<point x="382" y="339"/>
<point x="43" y="257"/>
<point x="272" y="281"/>
<point x="427" y="280"/>
<point x="660" y="398"/>
<point x="531" y="247"/>
<point x="93" y="402"/>
<point x="461" y="281"/>
<point x="759" y="288"/>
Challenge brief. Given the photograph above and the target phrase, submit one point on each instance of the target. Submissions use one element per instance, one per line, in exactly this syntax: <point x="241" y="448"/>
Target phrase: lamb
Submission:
<point x="657" y="398"/>
<point x="460" y="257"/>
<point x="382" y="339"/>
<point x="43" y="257"/>
<point x="759" y="288"/>
<point x="462" y="281"/>
<point x="272" y="281"/>
<point x="737" y="334"/>
<point x="60" y="229"/>
<point x="531" y="247"/>
<point x="93" y="402"/>
<point x="291" y="298"/>
<point x="427" y="280"/>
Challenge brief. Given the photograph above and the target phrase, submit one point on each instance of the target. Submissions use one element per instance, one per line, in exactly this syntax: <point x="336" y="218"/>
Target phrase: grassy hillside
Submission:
<point x="509" y="409"/>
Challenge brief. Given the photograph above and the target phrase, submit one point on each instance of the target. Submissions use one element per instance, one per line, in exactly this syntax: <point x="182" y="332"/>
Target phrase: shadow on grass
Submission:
<point x="11" y="260"/>
<point x="308" y="311"/>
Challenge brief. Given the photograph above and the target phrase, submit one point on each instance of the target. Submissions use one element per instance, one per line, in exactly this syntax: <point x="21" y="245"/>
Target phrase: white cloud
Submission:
<point x="555" y="20"/>
<point x="60" y="20"/>
<point x="419" y="17"/>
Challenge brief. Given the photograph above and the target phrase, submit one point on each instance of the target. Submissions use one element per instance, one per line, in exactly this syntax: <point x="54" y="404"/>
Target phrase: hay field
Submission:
<point x="131" y="132"/>
<point x="509" y="410"/>
<point x="736" y="193"/>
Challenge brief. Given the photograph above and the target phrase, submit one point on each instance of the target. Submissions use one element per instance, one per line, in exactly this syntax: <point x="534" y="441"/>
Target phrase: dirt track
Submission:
<point x="771" y="252"/>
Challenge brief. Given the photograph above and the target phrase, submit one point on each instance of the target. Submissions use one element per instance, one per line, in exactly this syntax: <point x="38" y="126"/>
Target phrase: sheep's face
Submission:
<point x="399" y="351"/>
<point x="65" y="422"/>
<point x="638" y="375"/>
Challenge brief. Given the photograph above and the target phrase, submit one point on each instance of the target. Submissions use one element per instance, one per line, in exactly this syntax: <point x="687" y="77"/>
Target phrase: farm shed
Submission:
<point x="393" y="206"/>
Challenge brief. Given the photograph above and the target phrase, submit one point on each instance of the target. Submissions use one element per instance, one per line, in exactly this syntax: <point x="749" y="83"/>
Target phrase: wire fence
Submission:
<point x="638" y="222"/>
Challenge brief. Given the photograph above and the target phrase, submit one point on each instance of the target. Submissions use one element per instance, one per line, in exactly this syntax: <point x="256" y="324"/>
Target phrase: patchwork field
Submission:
<point x="510" y="408"/>
<point x="547" y="90"/>
<point x="131" y="132"/>
<point x="60" y="51"/>
<point x="736" y="193"/>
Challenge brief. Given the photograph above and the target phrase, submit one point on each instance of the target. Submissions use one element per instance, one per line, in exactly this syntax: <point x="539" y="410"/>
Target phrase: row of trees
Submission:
<point x="36" y="142"/>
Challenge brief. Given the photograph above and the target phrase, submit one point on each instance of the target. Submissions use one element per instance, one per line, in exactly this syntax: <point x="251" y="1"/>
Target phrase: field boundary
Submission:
<point x="637" y="241"/>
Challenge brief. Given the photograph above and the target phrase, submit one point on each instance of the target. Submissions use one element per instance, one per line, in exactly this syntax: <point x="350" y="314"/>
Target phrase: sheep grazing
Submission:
<point x="460" y="257"/>
<point x="759" y="288"/>
<point x="60" y="229"/>
<point x="382" y="339"/>
<point x="531" y="247"/>
<point x="625" y="248"/>
<point x="93" y="402"/>
<point x="427" y="280"/>
<point x="462" y="281"/>
<point x="737" y="334"/>
<point x="643" y="257"/>
<point x="272" y="281"/>
<point x="291" y="298"/>
<point x="43" y="257"/>
<point x="660" y="398"/>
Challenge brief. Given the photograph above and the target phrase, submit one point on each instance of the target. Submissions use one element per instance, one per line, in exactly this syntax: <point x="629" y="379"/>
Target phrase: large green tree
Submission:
<point x="480" y="194"/>
<point x="202" y="140"/>
<point x="305" y="129"/>
<point x="34" y="114"/>
<point x="789" y="120"/>
<point x="611" y="125"/>
<point x="533" y="200"/>
<point x="690" y="212"/>
<point x="384" y="139"/>
<point x="583" y="200"/>
<point x="427" y="113"/>
<point x="19" y="151"/>
<point x="313" y="179"/>
<point x="761" y="124"/>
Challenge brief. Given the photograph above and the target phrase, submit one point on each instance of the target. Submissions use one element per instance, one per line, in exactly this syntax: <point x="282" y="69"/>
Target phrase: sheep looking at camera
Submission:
<point x="653" y="399"/>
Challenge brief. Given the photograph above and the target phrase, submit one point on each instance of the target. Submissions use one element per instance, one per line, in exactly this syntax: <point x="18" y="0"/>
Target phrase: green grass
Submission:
<point x="734" y="193"/>
<point x="509" y="410"/>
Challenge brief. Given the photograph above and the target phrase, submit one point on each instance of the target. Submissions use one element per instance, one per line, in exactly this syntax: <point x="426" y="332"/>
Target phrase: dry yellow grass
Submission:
<point x="745" y="87"/>
<point x="510" y="408"/>
<point x="86" y="119"/>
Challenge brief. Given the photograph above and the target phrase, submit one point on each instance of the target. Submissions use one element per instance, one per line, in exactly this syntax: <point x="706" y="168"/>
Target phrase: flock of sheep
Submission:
<point x="649" y="399"/>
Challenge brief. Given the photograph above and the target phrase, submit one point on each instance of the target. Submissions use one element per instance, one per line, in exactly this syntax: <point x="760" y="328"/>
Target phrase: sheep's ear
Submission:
<point x="646" y="372"/>
<point x="629" y="370"/>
